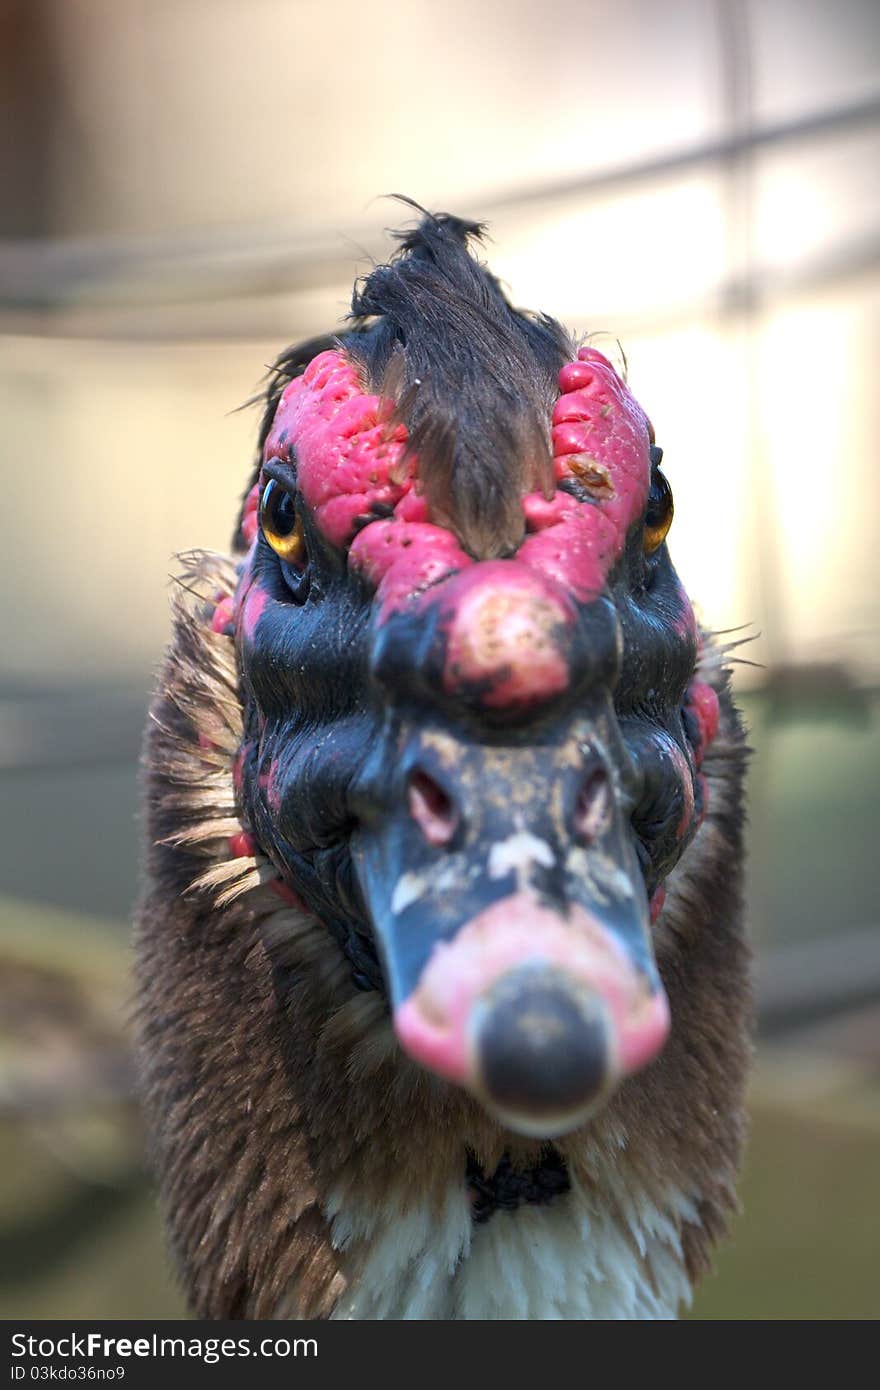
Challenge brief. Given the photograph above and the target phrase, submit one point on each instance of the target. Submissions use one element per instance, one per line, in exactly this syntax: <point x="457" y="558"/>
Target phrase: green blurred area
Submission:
<point x="808" y="1242"/>
<point x="813" y="801"/>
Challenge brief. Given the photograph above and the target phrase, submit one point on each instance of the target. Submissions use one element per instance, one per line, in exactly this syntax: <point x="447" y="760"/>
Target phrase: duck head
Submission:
<point x="473" y="726"/>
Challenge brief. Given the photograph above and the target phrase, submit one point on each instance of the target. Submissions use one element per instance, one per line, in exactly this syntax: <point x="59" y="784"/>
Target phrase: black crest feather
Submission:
<point x="473" y="377"/>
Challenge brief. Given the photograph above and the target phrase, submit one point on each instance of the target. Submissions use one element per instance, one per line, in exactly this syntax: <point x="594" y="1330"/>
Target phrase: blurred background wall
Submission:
<point x="188" y="185"/>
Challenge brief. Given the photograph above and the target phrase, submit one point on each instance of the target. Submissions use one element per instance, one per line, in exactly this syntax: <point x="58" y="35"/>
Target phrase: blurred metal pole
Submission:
<point x="258" y="258"/>
<point x="744" y="302"/>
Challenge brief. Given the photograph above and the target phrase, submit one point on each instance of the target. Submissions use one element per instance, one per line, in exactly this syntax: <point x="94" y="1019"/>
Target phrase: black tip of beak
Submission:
<point x="542" y="1049"/>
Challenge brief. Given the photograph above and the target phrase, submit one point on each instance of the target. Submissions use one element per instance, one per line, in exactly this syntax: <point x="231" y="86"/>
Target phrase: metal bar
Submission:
<point x="253" y="258"/>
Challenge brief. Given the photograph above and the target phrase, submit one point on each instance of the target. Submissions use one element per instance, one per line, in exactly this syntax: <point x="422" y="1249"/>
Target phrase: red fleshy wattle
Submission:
<point x="702" y="700"/>
<point x="223" y="614"/>
<point x="242" y="845"/>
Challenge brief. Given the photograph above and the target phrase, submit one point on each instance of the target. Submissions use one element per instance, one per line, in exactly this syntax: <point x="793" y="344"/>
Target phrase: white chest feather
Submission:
<point x="571" y="1259"/>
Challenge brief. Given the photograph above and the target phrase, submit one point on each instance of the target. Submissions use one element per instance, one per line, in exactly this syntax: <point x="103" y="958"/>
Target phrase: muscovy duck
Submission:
<point x="442" y="984"/>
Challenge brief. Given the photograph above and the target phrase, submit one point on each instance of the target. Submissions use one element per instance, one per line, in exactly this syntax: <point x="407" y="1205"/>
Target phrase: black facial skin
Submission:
<point x="345" y="710"/>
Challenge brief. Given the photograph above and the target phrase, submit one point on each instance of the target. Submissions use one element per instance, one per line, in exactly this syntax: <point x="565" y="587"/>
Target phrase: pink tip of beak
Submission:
<point x="438" y="1024"/>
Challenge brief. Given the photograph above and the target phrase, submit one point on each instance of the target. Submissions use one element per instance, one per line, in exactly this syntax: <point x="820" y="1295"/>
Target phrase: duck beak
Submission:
<point x="512" y="923"/>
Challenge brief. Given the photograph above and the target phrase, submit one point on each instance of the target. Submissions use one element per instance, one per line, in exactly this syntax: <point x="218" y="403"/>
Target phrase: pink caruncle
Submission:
<point x="505" y="623"/>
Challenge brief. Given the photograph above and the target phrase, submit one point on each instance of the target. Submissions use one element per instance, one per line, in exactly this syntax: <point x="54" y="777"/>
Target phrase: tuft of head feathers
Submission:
<point x="473" y="379"/>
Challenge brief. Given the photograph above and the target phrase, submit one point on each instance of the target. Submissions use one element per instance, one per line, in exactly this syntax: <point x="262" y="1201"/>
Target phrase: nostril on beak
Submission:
<point x="592" y="812"/>
<point x="431" y="808"/>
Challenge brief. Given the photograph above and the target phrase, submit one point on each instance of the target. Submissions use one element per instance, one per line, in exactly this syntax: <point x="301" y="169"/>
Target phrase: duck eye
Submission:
<point x="659" y="513"/>
<point x="281" y="523"/>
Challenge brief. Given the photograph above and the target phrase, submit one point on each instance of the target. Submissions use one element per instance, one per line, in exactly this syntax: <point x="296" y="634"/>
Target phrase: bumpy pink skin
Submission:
<point x="436" y="1024"/>
<point x="242" y="845"/>
<point x="349" y="455"/>
<point x="348" y="451"/>
<point x="506" y="629"/>
<point x="506" y="620"/>
<point x="251" y="609"/>
<point x="703" y="702"/>
<point x="596" y="422"/>
<point x="223" y="615"/>
<point x="404" y="558"/>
